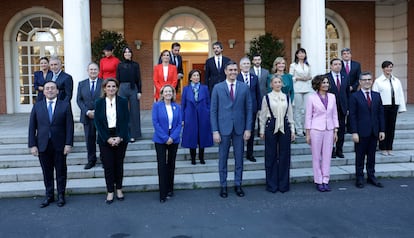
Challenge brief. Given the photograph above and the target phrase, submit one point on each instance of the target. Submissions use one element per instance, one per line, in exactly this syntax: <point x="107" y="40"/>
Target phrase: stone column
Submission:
<point x="312" y="21"/>
<point x="77" y="43"/>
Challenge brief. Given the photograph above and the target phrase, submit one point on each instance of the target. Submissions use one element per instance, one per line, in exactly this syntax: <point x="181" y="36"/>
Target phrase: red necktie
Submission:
<point x="231" y="92"/>
<point x="347" y="67"/>
<point x="368" y="99"/>
<point x="338" y="82"/>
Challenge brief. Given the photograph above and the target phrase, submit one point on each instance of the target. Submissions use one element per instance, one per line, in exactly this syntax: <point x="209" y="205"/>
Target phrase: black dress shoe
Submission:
<point x="374" y="182"/>
<point x="109" y="201"/>
<point x="223" y="192"/>
<point x="359" y="183"/>
<point x="239" y="191"/>
<point x="120" y="198"/>
<point x="61" y="201"/>
<point x="89" y="165"/>
<point x="163" y="200"/>
<point x="252" y="159"/>
<point x="340" y="155"/>
<point x="170" y="195"/>
<point x="46" y="202"/>
<point x="333" y="154"/>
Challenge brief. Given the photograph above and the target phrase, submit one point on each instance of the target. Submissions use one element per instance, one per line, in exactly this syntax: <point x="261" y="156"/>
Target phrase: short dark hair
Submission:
<point x="257" y="55"/>
<point x="219" y="44"/>
<point x="386" y="63"/>
<point x="305" y="60"/>
<point x="175" y="44"/>
<point x="231" y="62"/>
<point x="365" y="73"/>
<point x="44" y="58"/>
<point x="124" y="49"/>
<point x="164" y="52"/>
<point x="192" y="72"/>
<point x="317" y="81"/>
<point x="334" y="59"/>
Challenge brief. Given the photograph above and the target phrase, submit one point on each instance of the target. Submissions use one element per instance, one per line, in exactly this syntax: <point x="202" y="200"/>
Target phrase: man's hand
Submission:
<point x="91" y="114"/>
<point x="34" y="151"/>
<point x="355" y="137"/>
<point x="246" y="135"/>
<point x="67" y="149"/>
<point x="381" y="136"/>
<point x="216" y="137"/>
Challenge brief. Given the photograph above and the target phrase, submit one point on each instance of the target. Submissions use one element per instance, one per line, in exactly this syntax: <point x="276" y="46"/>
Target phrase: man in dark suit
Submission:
<point x="63" y="80"/>
<point x="366" y="114"/>
<point x="176" y="60"/>
<point x="89" y="90"/>
<point x="231" y="121"/>
<point x="51" y="138"/>
<point x="262" y="75"/>
<point x="252" y="82"/>
<point x="340" y="87"/>
<point x="214" y="72"/>
<point x="351" y="69"/>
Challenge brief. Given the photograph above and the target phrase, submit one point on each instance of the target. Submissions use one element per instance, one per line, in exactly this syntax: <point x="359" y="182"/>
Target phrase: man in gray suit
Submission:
<point x="88" y="91"/>
<point x="231" y="122"/>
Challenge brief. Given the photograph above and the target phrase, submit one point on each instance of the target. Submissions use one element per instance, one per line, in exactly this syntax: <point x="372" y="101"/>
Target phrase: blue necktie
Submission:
<point x="93" y="88"/>
<point x="50" y="111"/>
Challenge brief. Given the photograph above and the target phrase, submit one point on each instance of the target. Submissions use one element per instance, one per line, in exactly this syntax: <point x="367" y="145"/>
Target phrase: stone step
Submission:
<point x="198" y="180"/>
<point x="143" y="151"/>
<point x="184" y="167"/>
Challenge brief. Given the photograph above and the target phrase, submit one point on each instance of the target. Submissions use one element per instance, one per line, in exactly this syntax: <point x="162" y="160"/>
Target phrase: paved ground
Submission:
<point x="302" y="212"/>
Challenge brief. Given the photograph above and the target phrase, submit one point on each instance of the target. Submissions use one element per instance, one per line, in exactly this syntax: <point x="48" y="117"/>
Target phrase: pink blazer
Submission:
<point x="159" y="81"/>
<point x="319" y="118"/>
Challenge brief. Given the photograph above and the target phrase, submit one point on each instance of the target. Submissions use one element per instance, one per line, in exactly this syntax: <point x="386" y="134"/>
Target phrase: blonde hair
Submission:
<point x="162" y="91"/>
<point x="277" y="61"/>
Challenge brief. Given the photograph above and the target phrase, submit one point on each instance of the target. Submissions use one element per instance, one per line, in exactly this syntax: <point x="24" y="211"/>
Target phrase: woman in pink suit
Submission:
<point x="164" y="73"/>
<point x="321" y="124"/>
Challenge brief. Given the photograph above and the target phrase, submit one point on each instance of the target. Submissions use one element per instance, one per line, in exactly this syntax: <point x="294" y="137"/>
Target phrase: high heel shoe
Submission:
<point x="120" y="195"/>
<point x="109" y="201"/>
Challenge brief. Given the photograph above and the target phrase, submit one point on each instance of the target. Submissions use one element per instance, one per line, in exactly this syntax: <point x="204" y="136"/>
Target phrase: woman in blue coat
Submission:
<point x="195" y="105"/>
<point x="166" y="119"/>
<point x="41" y="76"/>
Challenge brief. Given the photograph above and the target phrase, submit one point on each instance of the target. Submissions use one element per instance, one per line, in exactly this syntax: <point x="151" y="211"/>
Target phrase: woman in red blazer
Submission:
<point x="164" y="73"/>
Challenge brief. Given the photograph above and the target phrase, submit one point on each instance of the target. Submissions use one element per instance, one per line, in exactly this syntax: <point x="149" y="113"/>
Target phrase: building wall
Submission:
<point x="410" y="60"/>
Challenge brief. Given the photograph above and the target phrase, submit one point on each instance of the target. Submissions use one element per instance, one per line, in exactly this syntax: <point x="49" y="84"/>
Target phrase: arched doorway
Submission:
<point x="193" y="29"/>
<point x="36" y="36"/>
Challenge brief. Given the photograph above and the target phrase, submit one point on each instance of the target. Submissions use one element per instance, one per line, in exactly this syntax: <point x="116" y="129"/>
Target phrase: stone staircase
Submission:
<point x="21" y="175"/>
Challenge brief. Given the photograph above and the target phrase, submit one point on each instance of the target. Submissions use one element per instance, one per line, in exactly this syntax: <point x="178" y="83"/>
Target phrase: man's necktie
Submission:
<point x="55" y="76"/>
<point x="338" y="82"/>
<point x="231" y="92"/>
<point x="93" y="88"/>
<point x="368" y="99"/>
<point x="50" y="110"/>
<point x="246" y="79"/>
<point x="347" y="67"/>
<point x="258" y="73"/>
<point x="218" y="63"/>
<point x="175" y="61"/>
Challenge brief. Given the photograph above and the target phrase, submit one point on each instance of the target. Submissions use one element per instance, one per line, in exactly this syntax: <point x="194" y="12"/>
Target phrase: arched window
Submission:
<point x="186" y="29"/>
<point x="37" y="36"/>
<point x="337" y="36"/>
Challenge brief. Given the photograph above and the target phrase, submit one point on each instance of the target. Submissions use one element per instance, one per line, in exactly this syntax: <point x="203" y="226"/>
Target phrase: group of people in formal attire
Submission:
<point x="223" y="110"/>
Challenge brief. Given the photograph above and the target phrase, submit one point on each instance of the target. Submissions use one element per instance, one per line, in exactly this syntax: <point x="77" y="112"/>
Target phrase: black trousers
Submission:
<point x="51" y="160"/>
<point x="90" y="139"/>
<point x="113" y="162"/>
<point x="166" y="155"/>
<point x="365" y="148"/>
<point x="249" y="146"/>
<point x="277" y="157"/>
<point x="390" y="118"/>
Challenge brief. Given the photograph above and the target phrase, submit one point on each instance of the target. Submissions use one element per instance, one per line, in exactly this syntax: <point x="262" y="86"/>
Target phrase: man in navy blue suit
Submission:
<point x="214" y="68"/>
<point x="51" y="138"/>
<point x="367" y="125"/>
<point x="89" y="90"/>
<point x="351" y="69"/>
<point x="252" y="81"/>
<point x="339" y="86"/>
<point x="231" y="121"/>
